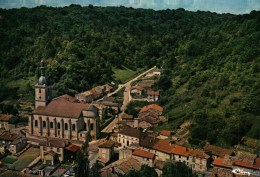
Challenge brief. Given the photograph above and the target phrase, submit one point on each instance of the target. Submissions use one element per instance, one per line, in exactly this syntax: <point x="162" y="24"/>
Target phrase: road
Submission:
<point x="120" y="86"/>
<point x="127" y="99"/>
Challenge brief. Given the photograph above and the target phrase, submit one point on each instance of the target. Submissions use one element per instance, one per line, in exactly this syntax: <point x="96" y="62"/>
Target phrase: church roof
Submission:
<point x="61" y="107"/>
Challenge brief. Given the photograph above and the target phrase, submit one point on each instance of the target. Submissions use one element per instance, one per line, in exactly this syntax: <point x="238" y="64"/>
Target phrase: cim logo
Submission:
<point x="238" y="171"/>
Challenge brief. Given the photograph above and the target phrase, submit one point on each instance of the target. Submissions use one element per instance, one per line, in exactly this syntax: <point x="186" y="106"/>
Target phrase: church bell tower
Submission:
<point x="42" y="90"/>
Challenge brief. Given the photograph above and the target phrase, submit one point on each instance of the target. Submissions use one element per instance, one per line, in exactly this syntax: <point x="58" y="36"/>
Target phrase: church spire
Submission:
<point x="42" y="68"/>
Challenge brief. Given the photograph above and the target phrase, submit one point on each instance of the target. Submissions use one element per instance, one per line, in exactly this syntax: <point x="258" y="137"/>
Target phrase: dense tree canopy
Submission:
<point x="210" y="61"/>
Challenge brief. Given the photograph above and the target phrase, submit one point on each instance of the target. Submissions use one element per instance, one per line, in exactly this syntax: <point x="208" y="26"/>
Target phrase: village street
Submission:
<point x="127" y="99"/>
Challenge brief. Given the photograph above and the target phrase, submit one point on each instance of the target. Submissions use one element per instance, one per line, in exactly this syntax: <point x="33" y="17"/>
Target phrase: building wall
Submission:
<point x="18" y="146"/>
<point x="198" y="164"/>
<point x="125" y="153"/>
<point x="144" y="125"/>
<point x="179" y="158"/>
<point x="59" y="151"/>
<point x="136" y="91"/>
<point x="144" y="161"/>
<point x="84" y="98"/>
<point x="60" y="127"/>
<point x="42" y="96"/>
<point x="105" y="153"/>
<point x="126" y="141"/>
<point x="94" y="127"/>
<point x="4" y="125"/>
<point x="55" y="127"/>
<point x="152" y="98"/>
<point x="161" y="155"/>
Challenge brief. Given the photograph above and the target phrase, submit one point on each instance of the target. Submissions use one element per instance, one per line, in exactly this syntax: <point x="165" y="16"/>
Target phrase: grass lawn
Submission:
<point x="22" y="84"/>
<point x="9" y="159"/>
<point x="26" y="158"/>
<point x="124" y="74"/>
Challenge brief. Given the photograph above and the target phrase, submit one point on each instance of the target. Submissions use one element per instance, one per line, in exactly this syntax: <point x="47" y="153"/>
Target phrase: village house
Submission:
<point x="165" y="134"/>
<point x="85" y="97"/>
<point x="52" y="151"/>
<point x="152" y="107"/>
<point x="122" y="166"/>
<point x="216" y="151"/>
<point x="128" y="136"/>
<point x="106" y="152"/>
<point x="153" y="96"/>
<point x="94" y="93"/>
<point x="148" y="119"/>
<point x="12" y="141"/>
<point x="5" y="121"/>
<point x="137" y="90"/>
<point x="149" y="116"/>
<point x="199" y="160"/>
<point x="145" y="157"/>
<point x="247" y="162"/>
<point x="223" y="163"/>
<point x="147" y="143"/>
<point x="70" y="152"/>
<point x="157" y="72"/>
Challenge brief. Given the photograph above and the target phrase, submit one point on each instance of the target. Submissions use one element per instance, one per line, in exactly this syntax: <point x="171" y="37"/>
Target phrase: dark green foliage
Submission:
<point x="134" y="107"/>
<point x="210" y="61"/>
<point x="178" y="169"/>
<point x="145" y="171"/>
<point x="9" y="109"/>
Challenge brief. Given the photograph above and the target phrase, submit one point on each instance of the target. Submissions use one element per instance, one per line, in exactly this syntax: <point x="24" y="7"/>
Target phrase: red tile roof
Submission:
<point x="152" y="106"/>
<point x="215" y="150"/>
<point x="153" y="93"/>
<point x="124" y="165"/>
<point x="54" y="143"/>
<point x="164" y="146"/>
<point x="142" y="153"/>
<point x="107" y="144"/>
<point x="129" y="164"/>
<point x="72" y="148"/>
<point x="165" y="133"/>
<point x="180" y="150"/>
<point x="169" y="147"/>
<point x="127" y="116"/>
<point x="68" y="98"/>
<point x="255" y="165"/>
<point x="8" y="136"/>
<point x="137" y="87"/>
<point x="150" y="120"/>
<point x="150" y="113"/>
<point x="5" y="117"/>
<point x="199" y="154"/>
<point x="129" y="131"/>
<point x="61" y="108"/>
<point x="220" y="162"/>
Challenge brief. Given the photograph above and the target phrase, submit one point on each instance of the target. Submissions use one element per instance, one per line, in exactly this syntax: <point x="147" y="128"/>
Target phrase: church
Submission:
<point x="61" y="119"/>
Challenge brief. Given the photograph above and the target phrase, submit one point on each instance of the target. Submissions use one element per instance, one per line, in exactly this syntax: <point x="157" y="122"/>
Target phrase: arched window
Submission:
<point x="66" y="126"/>
<point x="36" y="123"/>
<point x="44" y="124"/>
<point x="73" y="127"/>
<point x="40" y="90"/>
<point x="58" y="125"/>
<point x="51" y="124"/>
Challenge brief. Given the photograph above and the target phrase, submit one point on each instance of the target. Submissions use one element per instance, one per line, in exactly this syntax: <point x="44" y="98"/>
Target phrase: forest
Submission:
<point x="210" y="61"/>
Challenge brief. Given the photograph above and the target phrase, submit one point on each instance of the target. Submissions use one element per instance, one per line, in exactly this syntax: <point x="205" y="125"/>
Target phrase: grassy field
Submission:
<point x="26" y="158"/>
<point x="124" y="74"/>
<point x="9" y="159"/>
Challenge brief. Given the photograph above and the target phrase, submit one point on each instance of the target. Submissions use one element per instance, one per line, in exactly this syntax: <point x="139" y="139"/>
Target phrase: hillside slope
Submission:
<point x="210" y="61"/>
